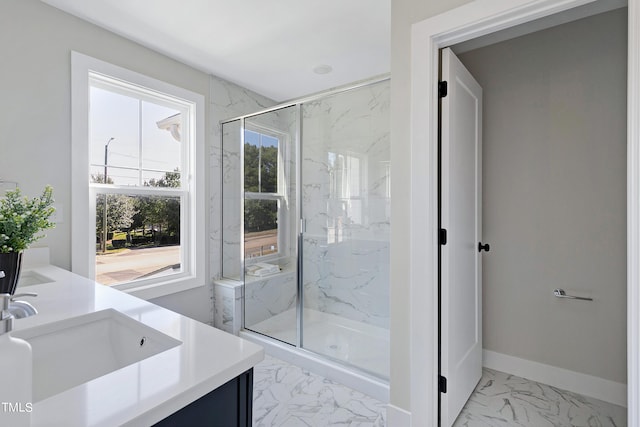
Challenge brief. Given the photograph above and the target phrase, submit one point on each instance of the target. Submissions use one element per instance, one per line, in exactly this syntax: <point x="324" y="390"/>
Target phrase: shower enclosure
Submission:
<point x="306" y="204"/>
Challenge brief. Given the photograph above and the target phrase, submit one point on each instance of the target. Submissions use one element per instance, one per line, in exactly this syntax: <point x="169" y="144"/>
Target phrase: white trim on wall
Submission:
<point x="475" y="19"/>
<point x="633" y="214"/>
<point x="586" y="385"/>
<point x="397" y="417"/>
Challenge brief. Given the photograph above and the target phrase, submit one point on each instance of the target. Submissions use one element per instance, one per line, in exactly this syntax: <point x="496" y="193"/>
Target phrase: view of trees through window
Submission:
<point x="137" y="222"/>
<point x="144" y="219"/>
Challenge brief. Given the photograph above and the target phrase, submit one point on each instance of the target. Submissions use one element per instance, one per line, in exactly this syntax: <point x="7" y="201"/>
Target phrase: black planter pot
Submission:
<point x="11" y="264"/>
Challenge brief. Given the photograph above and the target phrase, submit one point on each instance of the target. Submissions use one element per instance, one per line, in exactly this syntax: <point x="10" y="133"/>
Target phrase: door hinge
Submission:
<point x="443" y="236"/>
<point x="443" y="89"/>
<point x="442" y="384"/>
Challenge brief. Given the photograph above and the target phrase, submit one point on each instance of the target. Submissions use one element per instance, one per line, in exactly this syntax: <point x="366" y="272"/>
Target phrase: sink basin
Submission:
<point x="73" y="351"/>
<point x="30" y="278"/>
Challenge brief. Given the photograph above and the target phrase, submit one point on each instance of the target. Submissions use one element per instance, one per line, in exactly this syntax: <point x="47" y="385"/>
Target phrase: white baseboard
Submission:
<point x="587" y="385"/>
<point x="398" y="417"/>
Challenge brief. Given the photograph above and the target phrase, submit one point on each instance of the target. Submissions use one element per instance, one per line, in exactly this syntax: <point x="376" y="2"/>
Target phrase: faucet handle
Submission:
<point x="4" y="303"/>
<point x="6" y="318"/>
<point x="24" y="294"/>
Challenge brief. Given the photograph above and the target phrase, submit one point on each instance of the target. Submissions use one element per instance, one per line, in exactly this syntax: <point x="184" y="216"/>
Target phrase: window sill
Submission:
<point x="157" y="290"/>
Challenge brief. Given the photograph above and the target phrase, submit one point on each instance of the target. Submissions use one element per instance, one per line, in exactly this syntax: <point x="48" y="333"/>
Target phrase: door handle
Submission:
<point x="560" y="293"/>
<point x="484" y="247"/>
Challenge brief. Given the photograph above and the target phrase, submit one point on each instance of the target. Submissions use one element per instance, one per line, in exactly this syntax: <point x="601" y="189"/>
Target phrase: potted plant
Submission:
<point x="21" y="222"/>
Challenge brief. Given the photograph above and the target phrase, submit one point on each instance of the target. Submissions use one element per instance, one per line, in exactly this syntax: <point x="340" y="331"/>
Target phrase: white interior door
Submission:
<point x="461" y="216"/>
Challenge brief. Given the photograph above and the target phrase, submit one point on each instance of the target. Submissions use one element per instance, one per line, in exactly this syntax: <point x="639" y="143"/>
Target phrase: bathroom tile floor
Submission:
<point x="506" y="400"/>
<point x="289" y="396"/>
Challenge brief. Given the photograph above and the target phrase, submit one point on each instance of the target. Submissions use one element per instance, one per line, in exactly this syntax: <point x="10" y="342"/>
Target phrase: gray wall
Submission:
<point x="35" y="116"/>
<point x="35" y="82"/>
<point x="554" y="202"/>
<point x="35" y="112"/>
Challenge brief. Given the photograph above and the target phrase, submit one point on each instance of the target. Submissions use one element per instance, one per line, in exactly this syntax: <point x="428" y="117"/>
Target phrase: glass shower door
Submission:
<point x="345" y="210"/>
<point x="270" y="222"/>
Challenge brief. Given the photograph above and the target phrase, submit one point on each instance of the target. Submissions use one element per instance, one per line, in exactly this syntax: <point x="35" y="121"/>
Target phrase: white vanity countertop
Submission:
<point x="147" y="391"/>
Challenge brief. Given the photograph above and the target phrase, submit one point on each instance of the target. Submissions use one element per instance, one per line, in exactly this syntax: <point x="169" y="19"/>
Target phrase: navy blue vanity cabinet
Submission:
<point x="229" y="405"/>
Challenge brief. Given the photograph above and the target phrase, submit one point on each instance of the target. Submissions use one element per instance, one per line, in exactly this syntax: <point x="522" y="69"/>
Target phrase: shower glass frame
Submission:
<point x="298" y="218"/>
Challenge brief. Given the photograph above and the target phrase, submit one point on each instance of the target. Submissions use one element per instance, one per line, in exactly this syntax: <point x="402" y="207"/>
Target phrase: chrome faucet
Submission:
<point x="10" y="310"/>
<point x="22" y="309"/>
<point x="17" y="309"/>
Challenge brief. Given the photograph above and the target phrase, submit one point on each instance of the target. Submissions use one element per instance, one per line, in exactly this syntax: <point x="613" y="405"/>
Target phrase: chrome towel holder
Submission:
<point x="560" y="293"/>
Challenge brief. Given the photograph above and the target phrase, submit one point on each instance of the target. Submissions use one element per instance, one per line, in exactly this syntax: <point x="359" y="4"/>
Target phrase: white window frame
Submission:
<point x="281" y="196"/>
<point x="193" y="225"/>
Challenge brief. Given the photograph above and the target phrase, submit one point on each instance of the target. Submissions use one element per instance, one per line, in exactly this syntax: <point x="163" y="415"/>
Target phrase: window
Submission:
<point x="138" y="186"/>
<point x="346" y="184"/>
<point x="264" y="195"/>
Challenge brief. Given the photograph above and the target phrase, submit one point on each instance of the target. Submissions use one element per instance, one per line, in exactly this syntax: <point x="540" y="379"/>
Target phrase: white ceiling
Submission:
<point x="269" y="46"/>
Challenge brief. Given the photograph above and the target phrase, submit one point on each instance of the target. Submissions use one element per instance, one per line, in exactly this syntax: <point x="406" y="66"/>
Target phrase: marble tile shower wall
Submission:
<point x="270" y="296"/>
<point x="231" y="200"/>
<point x="346" y="204"/>
<point x="227" y="100"/>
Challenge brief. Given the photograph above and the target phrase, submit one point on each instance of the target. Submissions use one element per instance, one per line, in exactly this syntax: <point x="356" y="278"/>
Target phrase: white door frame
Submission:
<point x="475" y="19"/>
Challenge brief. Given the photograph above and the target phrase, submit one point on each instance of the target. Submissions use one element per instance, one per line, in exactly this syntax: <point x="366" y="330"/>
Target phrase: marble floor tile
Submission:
<point x="287" y="395"/>
<point x="506" y="400"/>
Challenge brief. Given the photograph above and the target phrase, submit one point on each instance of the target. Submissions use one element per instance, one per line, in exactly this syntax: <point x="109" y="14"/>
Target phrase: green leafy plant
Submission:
<point x="22" y="219"/>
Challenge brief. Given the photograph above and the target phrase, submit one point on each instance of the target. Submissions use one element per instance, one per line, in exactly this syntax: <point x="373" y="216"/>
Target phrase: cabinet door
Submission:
<point x="229" y="405"/>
